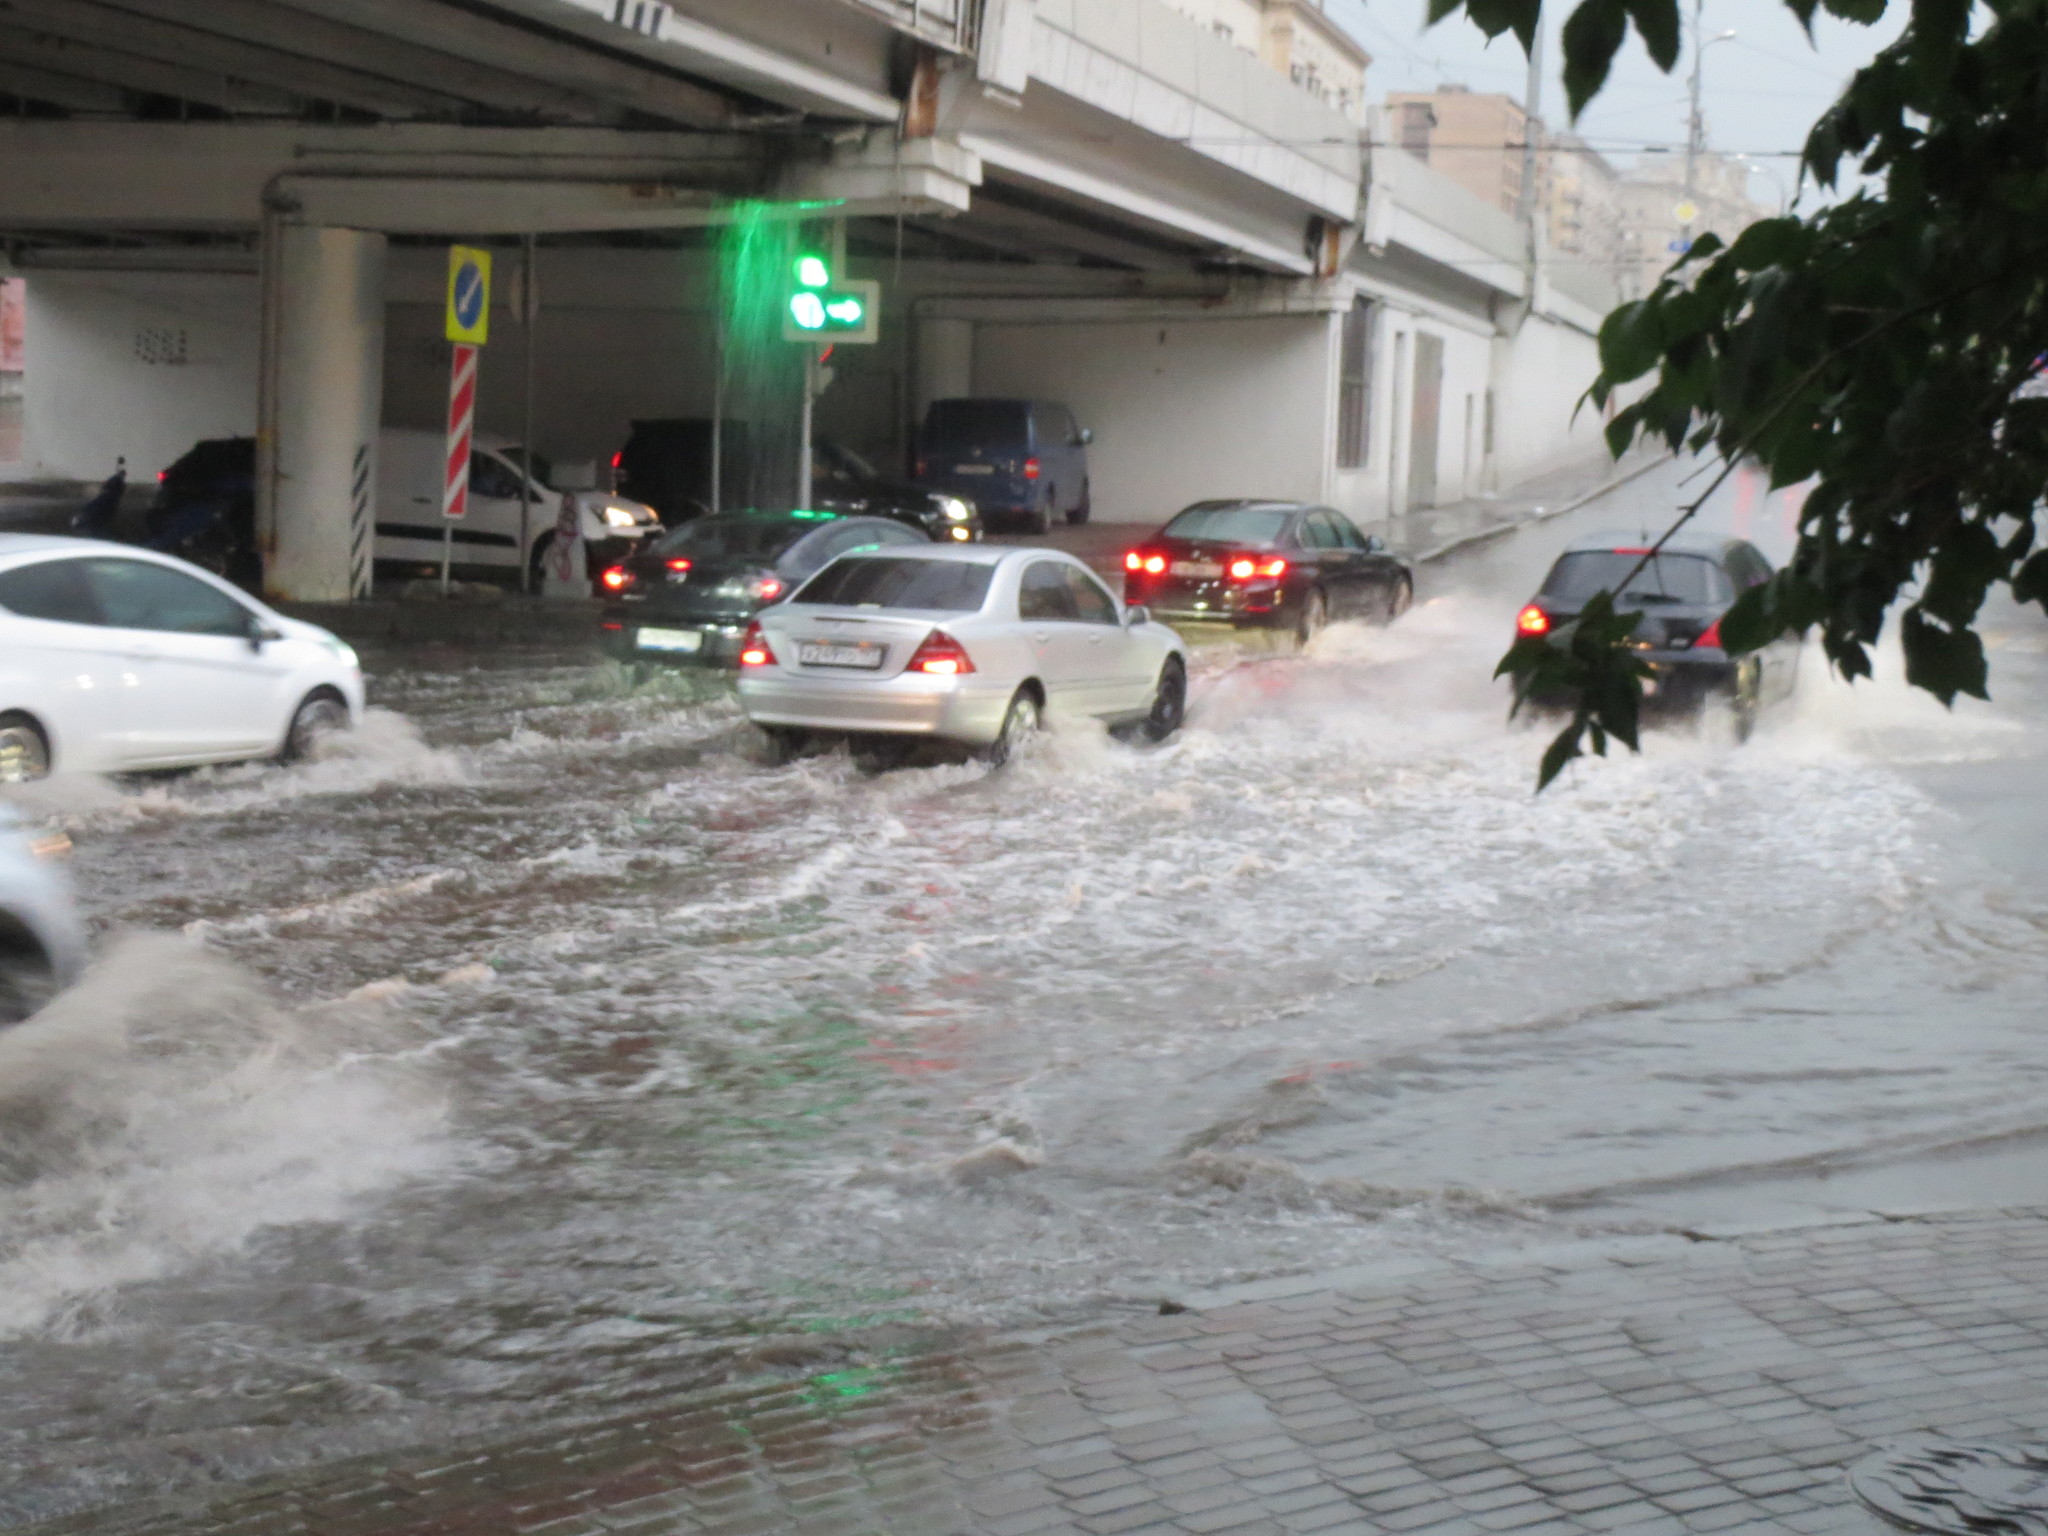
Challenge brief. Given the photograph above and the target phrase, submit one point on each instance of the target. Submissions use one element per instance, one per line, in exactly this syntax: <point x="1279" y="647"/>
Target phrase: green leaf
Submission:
<point x="1657" y="21"/>
<point x="1631" y="341"/>
<point x="1561" y="750"/>
<point x="2030" y="582"/>
<point x="1592" y="37"/>
<point x="1766" y="243"/>
<point x="1862" y="11"/>
<point x="1753" y="622"/>
<point x="1944" y="661"/>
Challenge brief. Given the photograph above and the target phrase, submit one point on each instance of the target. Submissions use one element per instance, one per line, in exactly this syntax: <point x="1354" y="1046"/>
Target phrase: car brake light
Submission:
<point x="1533" y="621"/>
<point x="768" y="588"/>
<point x="1031" y="469"/>
<point x="940" y="656"/>
<point x="616" y="579"/>
<point x="922" y="466"/>
<point x="1624" y="550"/>
<point x="680" y="563"/>
<point x="618" y="458"/>
<point x="1274" y="567"/>
<point x="755" y="651"/>
<point x="1242" y="569"/>
<point x="1154" y="564"/>
<point x="1712" y="637"/>
<point x="1134" y="561"/>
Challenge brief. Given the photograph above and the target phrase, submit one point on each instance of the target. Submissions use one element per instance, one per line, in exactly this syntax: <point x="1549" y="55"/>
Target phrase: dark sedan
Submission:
<point x="1682" y="593"/>
<point x="844" y="482"/>
<point x="689" y="595"/>
<point x="1279" y="565"/>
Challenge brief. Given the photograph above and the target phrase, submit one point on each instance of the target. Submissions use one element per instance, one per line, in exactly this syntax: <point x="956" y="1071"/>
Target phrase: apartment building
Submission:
<point x="1294" y="38"/>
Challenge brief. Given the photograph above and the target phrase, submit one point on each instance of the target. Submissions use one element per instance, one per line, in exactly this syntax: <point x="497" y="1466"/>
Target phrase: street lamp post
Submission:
<point x="1696" y="126"/>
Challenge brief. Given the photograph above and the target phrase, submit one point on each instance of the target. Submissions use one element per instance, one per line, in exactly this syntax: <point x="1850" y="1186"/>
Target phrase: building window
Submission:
<point x="1416" y="121"/>
<point x="1354" y="384"/>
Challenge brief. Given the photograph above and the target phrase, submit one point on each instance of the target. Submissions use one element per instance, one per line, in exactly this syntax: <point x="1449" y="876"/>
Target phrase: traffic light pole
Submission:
<point x="803" y="448"/>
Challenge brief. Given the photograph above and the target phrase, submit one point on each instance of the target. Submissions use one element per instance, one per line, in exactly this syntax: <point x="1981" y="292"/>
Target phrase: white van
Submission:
<point x="486" y="543"/>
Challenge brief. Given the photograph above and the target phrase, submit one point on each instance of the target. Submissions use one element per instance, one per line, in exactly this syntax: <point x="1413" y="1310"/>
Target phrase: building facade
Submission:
<point x="1651" y="199"/>
<point x="1295" y="38"/>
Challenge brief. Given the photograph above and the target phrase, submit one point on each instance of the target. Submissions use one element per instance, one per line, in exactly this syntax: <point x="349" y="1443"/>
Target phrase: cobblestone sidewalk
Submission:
<point x="1642" y="1385"/>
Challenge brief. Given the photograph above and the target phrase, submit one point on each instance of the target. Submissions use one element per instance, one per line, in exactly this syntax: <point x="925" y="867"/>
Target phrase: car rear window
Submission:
<point x="947" y="586"/>
<point x="975" y="422"/>
<point x="1237" y="525"/>
<point x="733" y="538"/>
<point x="1668" y="578"/>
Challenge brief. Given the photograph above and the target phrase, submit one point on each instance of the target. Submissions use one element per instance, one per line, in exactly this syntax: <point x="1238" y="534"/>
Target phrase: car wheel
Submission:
<point x="1315" y="618"/>
<point x="27" y="983"/>
<point x="317" y="718"/>
<point x="1082" y="508"/>
<point x="1020" y="722"/>
<point x="1401" y="599"/>
<point x="24" y="754"/>
<point x="1169" y="701"/>
<point x="536" y="560"/>
<point x="1041" y="518"/>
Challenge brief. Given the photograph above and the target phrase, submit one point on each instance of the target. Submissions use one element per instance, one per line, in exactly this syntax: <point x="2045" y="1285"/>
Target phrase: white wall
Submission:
<point x="1542" y="375"/>
<point x="135" y="364"/>
<point x="1378" y="490"/>
<point x="1182" y="410"/>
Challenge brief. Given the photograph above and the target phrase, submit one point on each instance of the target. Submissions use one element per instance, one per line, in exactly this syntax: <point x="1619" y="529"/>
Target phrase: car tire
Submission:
<point x="1082" y="508"/>
<point x="1169" y="702"/>
<point x="536" y="560"/>
<point x="1315" y="618"/>
<point x="319" y="715"/>
<point x="1021" y="721"/>
<point x="1400" y="599"/>
<point x="27" y="983"/>
<point x="24" y="750"/>
<point x="1041" y="517"/>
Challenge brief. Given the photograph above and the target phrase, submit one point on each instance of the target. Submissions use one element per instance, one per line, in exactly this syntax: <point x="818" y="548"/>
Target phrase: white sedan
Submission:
<point x="971" y="643"/>
<point x="114" y="659"/>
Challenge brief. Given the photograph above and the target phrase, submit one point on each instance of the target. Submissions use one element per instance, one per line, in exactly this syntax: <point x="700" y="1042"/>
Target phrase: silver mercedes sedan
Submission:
<point x="968" y="643"/>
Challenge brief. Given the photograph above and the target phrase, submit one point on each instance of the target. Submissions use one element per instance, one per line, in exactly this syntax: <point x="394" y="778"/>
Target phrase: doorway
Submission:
<point x="1422" y="435"/>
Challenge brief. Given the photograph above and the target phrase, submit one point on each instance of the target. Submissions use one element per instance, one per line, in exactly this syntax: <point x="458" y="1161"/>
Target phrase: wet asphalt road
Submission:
<point x="542" y="1046"/>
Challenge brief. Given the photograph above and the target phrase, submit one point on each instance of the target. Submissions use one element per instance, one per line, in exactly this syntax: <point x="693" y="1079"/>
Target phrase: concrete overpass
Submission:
<point x="1019" y="172"/>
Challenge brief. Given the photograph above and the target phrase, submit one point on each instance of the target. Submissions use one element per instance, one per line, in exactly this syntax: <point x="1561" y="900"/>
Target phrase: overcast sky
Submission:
<point x="1762" y="89"/>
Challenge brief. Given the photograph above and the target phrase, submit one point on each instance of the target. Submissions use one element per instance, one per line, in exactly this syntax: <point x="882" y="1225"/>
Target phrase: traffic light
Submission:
<point x="824" y="308"/>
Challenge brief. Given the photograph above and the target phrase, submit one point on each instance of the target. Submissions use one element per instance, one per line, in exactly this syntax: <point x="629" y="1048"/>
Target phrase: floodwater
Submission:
<point x="540" y="1047"/>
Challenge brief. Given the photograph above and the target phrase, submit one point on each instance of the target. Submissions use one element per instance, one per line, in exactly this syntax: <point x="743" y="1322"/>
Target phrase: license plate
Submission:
<point x="974" y="469"/>
<point x="671" y="640"/>
<point x="864" y="654"/>
<point x="1194" y="568"/>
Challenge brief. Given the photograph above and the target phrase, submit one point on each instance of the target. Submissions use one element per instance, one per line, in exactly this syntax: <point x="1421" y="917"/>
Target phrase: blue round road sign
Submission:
<point x="469" y="295"/>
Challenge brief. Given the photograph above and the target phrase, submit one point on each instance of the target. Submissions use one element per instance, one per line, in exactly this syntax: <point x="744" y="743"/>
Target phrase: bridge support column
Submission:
<point x="323" y="391"/>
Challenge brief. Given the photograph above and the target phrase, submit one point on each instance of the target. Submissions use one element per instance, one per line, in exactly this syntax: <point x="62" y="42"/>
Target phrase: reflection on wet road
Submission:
<point x="542" y="1044"/>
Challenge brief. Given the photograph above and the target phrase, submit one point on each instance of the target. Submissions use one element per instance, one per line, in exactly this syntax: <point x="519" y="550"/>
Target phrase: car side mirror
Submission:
<point x="1084" y="437"/>
<point x="260" y="634"/>
<point x="1375" y="545"/>
<point x="1136" y="614"/>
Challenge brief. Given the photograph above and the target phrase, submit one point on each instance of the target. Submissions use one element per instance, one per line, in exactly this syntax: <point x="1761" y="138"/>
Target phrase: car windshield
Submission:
<point x="733" y="538"/>
<point x="1235" y="525"/>
<point x="975" y="421"/>
<point x="535" y="465"/>
<point x="1666" y="579"/>
<point x="948" y="586"/>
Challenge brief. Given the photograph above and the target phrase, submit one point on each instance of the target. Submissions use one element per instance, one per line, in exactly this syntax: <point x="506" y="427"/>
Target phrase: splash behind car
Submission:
<point x="42" y="941"/>
<point x="1682" y="594"/>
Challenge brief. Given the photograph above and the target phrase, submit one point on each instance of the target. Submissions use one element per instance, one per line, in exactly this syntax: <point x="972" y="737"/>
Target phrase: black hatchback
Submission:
<point x="1280" y="565"/>
<point x="1682" y="593"/>
<point x="687" y="597"/>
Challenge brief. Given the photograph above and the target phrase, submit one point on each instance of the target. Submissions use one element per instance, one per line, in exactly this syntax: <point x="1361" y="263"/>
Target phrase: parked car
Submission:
<point x="967" y="643"/>
<point x="844" y="482"/>
<point x="410" y="465"/>
<point x="1682" y="593"/>
<point x="114" y="658"/>
<point x="1022" y="462"/>
<point x="42" y="941"/>
<point x="1279" y="565"/>
<point x="688" y="595"/>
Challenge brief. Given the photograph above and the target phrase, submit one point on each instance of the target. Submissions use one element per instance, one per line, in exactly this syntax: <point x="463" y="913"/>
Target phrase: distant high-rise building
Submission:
<point x="1652" y="225"/>
<point x="1294" y="38"/>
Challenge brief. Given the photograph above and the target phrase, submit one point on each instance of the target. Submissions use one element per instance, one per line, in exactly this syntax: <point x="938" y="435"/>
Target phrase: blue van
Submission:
<point x="1022" y="462"/>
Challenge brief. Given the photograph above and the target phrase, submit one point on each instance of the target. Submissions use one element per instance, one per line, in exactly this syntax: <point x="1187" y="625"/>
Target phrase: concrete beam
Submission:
<point x="915" y="176"/>
<point x="441" y="205"/>
<point x="22" y="44"/>
<point x="186" y="44"/>
<point x="68" y="91"/>
<point x="522" y="51"/>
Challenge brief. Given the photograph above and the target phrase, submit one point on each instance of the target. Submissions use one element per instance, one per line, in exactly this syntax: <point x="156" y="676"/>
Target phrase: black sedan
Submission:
<point x="1681" y="593"/>
<point x="844" y="482"/>
<point x="1280" y="565"/>
<point x="688" y="596"/>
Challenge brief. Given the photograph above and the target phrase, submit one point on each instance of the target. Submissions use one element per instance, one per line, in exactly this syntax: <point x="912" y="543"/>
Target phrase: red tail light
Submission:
<point x="1151" y="565"/>
<point x="768" y="588"/>
<point x="611" y="624"/>
<point x="1134" y="561"/>
<point x="1031" y="469"/>
<point x="940" y="656"/>
<point x="1711" y="638"/>
<point x="680" y="563"/>
<point x="1533" y="621"/>
<point x="162" y="475"/>
<point x="1245" y="567"/>
<point x="755" y="651"/>
<point x="922" y="466"/>
<point x="616" y="578"/>
<point x="618" y="458"/>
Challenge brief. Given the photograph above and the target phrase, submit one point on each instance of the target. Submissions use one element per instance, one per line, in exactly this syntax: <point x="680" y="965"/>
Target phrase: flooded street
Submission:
<point x="541" y="1047"/>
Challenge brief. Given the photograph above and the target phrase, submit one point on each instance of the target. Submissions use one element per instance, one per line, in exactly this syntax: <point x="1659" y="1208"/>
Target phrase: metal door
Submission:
<point x="1428" y="408"/>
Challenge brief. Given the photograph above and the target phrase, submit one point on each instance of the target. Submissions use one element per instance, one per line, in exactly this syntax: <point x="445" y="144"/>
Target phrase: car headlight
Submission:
<point x="620" y="517"/>
<point x="954" y="508"/>
<point x="342" y="649"/>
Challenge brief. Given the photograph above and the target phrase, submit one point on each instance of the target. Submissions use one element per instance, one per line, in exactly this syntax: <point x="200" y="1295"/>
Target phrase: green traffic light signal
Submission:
<point x="808" y="311"/>
<point x="813" y="272"/>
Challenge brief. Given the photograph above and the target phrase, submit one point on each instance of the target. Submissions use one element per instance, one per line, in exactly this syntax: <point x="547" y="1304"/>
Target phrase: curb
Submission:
<point x="1540" y="515"/>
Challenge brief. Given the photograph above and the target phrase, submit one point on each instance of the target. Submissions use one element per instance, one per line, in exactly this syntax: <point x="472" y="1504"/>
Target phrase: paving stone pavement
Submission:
<point x="1642" y="1385"/>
